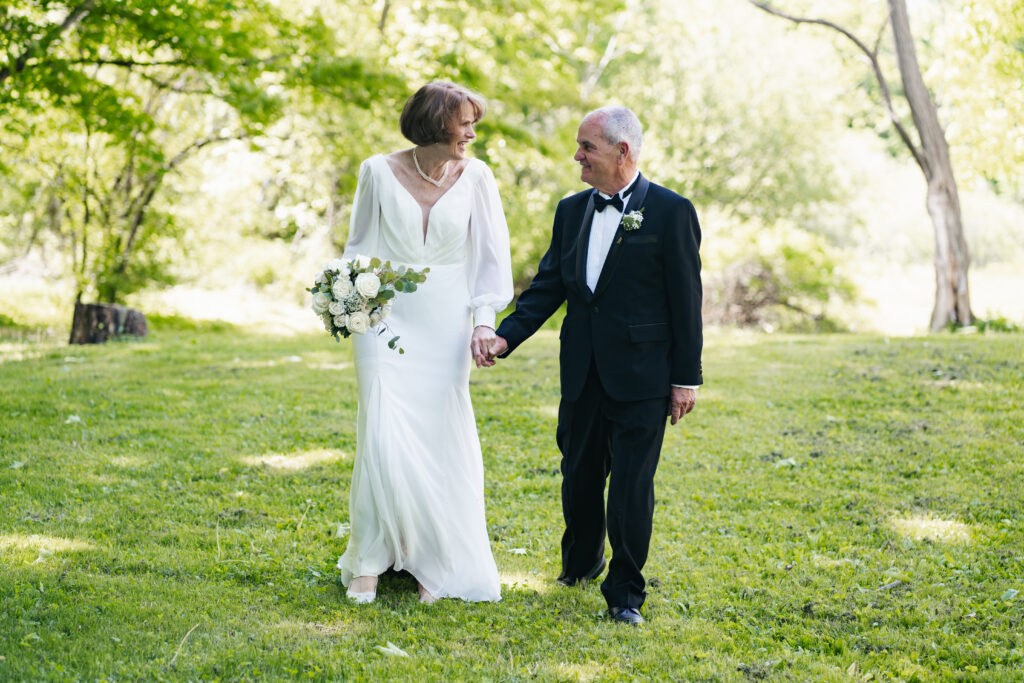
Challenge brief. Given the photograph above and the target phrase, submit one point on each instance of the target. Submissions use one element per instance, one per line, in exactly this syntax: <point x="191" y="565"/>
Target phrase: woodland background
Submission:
<point x="199" y="158"/>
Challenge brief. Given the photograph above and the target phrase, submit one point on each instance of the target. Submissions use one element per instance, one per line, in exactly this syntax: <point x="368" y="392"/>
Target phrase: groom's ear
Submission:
<point x="623" y="152"/>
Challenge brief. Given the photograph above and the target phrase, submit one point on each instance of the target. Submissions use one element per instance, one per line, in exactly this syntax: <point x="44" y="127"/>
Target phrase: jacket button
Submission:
<point x="596" y="309"/>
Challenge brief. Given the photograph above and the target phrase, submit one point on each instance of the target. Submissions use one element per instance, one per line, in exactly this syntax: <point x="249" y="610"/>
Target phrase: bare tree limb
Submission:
<point x="872" y="56"/>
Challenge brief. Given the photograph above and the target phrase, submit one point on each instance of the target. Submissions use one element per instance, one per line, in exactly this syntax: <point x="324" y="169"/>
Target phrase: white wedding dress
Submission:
<point x="417" y="494"/>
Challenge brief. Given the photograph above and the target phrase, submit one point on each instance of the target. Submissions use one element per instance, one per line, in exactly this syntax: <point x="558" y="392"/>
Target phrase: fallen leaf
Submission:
<point x="1010" y="594"/>
<point x="72" y="419"/>
<point x="17" y="465"/>
<point x="342" y="530"/>
<point x="393" y="650"/>
<point x="517" y="551"/>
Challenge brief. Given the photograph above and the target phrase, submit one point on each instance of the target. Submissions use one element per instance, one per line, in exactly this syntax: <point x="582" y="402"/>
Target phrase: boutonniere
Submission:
<point x="633" y="220"/>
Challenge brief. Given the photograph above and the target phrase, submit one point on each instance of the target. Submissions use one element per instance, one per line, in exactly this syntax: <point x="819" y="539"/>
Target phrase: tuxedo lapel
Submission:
<point x="634" y="202"/>
<point x="583" y="246"/>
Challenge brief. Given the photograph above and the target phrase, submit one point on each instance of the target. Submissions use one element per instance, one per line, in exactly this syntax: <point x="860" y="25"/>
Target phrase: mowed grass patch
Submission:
<point x="837" y="507"/>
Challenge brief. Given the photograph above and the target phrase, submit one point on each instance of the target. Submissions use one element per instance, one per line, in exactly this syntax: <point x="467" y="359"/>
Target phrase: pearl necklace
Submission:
<point x="423" y="175"/>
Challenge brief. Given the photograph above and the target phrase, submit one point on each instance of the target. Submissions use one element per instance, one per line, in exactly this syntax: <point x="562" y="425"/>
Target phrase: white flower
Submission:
<point x="375" y="317"/>
<point x="340" y="320"/>
<point x="341" y="288"/>
<point x="321" y="278"/>
<point x="633" y="220"/>
<point x="339" y="265"/>
<point x="385" y="310"/>
<point x="367" y="284"/>
<point x="358" y="322"/>
<point x="320" y="302"/>
<point x="336" y="308"/>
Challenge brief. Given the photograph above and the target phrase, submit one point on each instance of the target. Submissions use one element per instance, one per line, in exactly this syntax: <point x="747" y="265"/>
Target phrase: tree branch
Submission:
<point x="137" y="209"/>
<point x="41" y="45"/>
<point x="872" y="56"/>
<point x="128" y="63"/>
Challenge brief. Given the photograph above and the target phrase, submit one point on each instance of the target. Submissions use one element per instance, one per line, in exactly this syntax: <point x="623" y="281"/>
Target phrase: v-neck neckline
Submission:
<point x="408" y="192"/>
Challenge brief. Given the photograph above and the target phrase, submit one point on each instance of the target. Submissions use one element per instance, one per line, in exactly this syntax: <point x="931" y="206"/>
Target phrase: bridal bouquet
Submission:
<point x="352" y="298"/>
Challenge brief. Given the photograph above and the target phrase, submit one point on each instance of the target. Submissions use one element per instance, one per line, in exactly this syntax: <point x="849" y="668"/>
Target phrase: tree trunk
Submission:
<point x="96" y="323"/>
<point x="952" y="297"/>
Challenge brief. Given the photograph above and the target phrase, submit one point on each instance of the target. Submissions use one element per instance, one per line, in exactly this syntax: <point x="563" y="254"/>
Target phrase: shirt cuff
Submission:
<point x="484" y="315"/>
<point x="685" y="386"/>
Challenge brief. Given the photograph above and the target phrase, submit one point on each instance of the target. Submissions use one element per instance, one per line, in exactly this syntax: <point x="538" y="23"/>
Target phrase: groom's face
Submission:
<point x="598" y="159"/>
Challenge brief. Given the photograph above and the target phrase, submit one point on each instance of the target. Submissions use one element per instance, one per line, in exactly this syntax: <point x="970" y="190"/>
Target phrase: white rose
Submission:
<point x="320" y="302"/>
<point x="375" y="317"/>
<point x="358" y="322"/>
<point x="337" y="264"/>
<point x="321" y="279"/>
<point x="341" y="288"/>
<point x="336" y="308"/>
<point x="385" y="310"/>
<point x="367" y="284"/>
<point x="340" y="320"/>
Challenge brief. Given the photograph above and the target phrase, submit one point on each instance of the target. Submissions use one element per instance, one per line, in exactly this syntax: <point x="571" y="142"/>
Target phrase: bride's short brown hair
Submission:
<point x="428" y="114"/>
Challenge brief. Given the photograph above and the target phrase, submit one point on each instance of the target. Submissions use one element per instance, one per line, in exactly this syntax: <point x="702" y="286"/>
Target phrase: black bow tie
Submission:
<point x="615" y="200"/>
<point x="600" y="202"/>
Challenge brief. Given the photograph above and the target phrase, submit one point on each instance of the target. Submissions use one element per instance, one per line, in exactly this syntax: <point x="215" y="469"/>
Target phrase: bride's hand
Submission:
<point x="480" y="345"/>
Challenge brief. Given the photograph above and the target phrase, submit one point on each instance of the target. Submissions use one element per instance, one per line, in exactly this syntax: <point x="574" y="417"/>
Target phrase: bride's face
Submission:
<point x="461" y="131"/>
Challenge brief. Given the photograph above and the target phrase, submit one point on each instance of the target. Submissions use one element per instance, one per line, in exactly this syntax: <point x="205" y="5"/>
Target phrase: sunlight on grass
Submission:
<point x="329" y="366"/>
<point x="293" y="461"/>
<point x="547" y="411"/>
<point x="52" y="544"/>
<point x="266" y="363"/>
<point x="513" y="580"/>
<point x="588" y="671"/>
<point x="921" y="527"/>
<point x="127" y="461"/>
<point x="827" y="562"/>
<point x="317" y="630"/>
<point x="12" y="351"/>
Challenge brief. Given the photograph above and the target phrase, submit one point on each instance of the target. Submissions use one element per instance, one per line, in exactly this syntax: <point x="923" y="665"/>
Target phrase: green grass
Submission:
<point x="165" y="510"/>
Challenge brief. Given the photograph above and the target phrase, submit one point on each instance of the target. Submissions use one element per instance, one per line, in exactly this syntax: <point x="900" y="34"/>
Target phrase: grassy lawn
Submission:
<point x="837" y="508"/>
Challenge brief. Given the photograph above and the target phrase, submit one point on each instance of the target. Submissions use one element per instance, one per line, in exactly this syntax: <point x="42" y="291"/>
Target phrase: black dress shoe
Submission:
<point x="571" y="581"/>
<point x="626" y="615"/>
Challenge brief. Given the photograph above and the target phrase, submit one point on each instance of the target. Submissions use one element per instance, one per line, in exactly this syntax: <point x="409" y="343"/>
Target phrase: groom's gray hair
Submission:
<point x="621" y="125"/>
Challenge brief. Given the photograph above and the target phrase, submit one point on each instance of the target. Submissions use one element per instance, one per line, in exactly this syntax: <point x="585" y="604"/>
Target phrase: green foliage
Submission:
<point x="119" y="95"/>
<point x="984" y="75"/>
<point x="776" y="278"/>
<point x="827" y="513"/>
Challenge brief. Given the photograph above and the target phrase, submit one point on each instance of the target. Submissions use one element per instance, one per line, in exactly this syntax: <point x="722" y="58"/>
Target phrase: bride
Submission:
<point x="416" y="500"/>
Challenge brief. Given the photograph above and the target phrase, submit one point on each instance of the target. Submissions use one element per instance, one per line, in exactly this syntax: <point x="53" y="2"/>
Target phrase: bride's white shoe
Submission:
<point x="357" y="592"/>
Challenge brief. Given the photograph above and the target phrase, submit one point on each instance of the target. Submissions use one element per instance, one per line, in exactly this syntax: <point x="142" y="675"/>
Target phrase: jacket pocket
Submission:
<point x="641" y="239"/>
<point x="653" y="332"/>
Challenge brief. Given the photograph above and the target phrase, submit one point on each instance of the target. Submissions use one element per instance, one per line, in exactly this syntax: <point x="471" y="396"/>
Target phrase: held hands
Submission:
<point x="682" y="401"/>
<point x="486" y="345"/>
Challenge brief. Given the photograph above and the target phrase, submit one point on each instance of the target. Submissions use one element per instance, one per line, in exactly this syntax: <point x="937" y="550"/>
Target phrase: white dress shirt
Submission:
<point x="602" y="231"/>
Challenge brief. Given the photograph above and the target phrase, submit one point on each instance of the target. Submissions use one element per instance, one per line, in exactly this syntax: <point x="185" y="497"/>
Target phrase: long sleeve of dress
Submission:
<point x="364" y="228"/>
<point x="490" y="276"/>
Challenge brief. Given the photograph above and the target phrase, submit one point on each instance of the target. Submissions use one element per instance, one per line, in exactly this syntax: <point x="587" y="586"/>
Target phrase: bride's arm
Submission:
<point x="363" y="228"/>
<point x="490" y="259"/>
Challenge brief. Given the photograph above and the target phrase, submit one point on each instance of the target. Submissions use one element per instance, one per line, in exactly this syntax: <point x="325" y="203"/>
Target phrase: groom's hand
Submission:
<point x="682" y="401"/>
<point x="498" y="346"/>
<point x="480" y="345"/>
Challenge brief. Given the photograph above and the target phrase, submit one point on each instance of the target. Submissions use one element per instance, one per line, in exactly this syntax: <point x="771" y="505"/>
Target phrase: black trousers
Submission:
<point x="603" y="439"/>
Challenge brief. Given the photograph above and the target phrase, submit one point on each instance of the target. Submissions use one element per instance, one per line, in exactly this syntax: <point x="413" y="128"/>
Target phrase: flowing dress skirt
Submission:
<point x="417" y="496"/>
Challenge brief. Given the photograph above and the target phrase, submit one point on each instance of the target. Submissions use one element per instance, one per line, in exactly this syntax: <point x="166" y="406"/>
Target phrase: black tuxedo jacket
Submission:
<point x="641" y="325"/>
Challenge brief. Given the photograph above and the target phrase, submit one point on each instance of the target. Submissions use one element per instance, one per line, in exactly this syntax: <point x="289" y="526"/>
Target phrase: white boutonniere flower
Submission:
<point x="633" y="220"/>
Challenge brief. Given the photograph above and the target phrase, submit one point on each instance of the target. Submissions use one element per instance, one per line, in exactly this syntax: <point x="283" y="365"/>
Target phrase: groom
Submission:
<point x="624" y="256"/>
